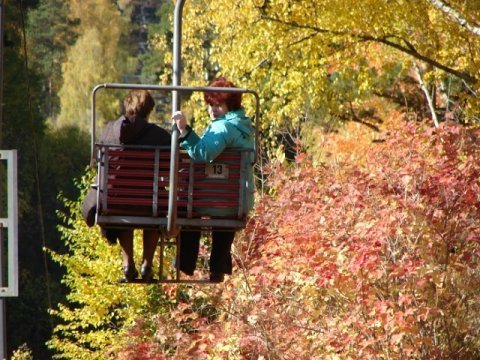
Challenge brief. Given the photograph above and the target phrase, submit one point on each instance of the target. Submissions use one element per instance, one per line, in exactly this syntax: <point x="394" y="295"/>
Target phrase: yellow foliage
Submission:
<point x="99" y="310"/>
<point x="95" y="58"/>
<point x="22" y="353"/>
<point x="297" y="54"/>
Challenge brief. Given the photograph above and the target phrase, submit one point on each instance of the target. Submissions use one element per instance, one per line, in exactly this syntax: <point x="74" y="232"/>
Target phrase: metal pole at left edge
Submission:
<point x="3" y="320"/>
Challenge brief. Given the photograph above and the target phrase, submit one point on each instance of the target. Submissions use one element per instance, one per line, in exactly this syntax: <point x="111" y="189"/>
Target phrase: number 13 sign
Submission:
<point x="216" y="171"/>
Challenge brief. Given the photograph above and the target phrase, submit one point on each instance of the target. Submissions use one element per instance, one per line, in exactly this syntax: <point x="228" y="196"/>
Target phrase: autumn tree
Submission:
<point x="50" y="32"/>
<point x="152" y="60"/>
<point x="321" y="60"/>
<point x="98" y="312"/>
<point x="24" y="129"/>
<point x="96" y="57"/>
<point x="35" y="41"/>
<point x="372" y="253"/>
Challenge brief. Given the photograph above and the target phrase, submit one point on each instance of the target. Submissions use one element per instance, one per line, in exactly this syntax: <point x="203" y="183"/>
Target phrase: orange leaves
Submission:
<point x="378" y="260"/>
<point x="375" y="243"/>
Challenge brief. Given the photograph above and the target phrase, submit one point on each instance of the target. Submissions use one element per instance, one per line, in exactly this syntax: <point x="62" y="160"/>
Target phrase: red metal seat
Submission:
<point x="134" y="188"/>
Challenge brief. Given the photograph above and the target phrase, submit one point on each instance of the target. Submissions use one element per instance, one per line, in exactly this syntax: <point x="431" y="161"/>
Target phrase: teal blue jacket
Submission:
<point x="232" y="130"/>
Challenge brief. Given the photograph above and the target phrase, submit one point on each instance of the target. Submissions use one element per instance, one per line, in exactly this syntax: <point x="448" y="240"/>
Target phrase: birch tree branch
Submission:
<point x="455" y="15"/>
<point x="406" y="47"/>
<point x="430" y="102"/>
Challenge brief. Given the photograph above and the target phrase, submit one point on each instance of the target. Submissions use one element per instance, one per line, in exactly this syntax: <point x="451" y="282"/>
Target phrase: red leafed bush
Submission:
<point x="379" y="260"/>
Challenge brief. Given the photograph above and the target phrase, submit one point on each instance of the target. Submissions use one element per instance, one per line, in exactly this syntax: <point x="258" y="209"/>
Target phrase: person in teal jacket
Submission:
<point x="230" y="128"/>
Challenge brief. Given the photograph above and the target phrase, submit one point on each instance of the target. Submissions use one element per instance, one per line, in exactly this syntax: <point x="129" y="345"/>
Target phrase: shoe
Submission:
<point x="217" y="277"/>
<point x="129" y="274"/>
<point x="147" y="273"/>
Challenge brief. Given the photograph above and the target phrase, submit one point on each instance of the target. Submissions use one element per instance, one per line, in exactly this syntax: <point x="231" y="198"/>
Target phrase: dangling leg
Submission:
<point x="221" y="257"/>
<point x="189" y="247"/>
<point x="150" y="240"/>
<point x="125" y="238"/>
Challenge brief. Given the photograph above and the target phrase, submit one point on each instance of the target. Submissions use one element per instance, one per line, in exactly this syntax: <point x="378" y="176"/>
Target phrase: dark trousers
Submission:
<point x="220" y="257"/>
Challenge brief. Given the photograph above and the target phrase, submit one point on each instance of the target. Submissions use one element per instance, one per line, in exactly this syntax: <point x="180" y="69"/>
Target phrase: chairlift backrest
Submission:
<point x="134" y="188"/>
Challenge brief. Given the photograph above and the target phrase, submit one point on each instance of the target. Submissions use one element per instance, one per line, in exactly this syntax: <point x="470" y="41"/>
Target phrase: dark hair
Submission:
<point x="232" y="100"/>
<point x="138" y="103"/>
